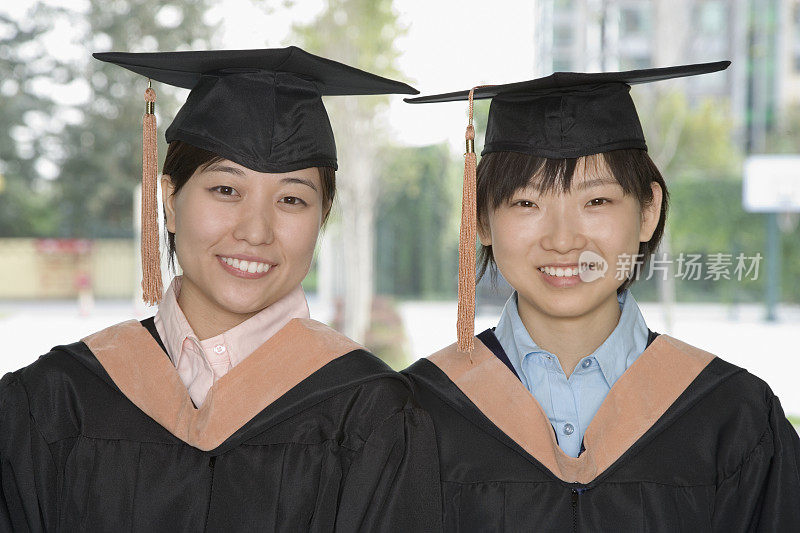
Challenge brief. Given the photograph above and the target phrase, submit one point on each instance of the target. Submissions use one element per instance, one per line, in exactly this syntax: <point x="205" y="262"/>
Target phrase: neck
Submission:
<point x="205" y="317"/>
<point x="570" y="338"/>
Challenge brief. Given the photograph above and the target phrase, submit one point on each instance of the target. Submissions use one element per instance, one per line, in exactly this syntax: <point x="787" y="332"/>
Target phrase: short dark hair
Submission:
<point x="183" y="160"/>
<point x="501" y="174"/>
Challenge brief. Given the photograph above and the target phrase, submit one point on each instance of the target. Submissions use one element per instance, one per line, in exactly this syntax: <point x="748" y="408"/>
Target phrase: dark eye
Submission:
<point x="224" y="190"/>
<point x="598" y="201"/>
<point x="525" y="203"/>
<point x="292" y="200"/>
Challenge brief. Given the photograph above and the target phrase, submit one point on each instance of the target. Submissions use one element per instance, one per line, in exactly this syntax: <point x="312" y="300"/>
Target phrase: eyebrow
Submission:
<point x="588" y="184"/>
<point x="302" y="181"/>
<point x="218" y="167"/>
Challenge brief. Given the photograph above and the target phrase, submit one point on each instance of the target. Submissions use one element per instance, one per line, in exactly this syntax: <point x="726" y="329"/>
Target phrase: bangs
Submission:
<point x="503" y="174"/>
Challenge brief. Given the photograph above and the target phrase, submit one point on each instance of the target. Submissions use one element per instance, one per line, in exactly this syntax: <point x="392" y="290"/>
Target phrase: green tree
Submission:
<point x="102" y="154"/>
<point x="412" y="260"/>
<point x="689" y="140"/>
<point x="24" y="208"/>
<point x="360" y="33"/>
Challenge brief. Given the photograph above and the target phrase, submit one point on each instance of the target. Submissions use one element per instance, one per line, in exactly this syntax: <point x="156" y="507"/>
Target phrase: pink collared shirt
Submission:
<point x="201" y="363"/>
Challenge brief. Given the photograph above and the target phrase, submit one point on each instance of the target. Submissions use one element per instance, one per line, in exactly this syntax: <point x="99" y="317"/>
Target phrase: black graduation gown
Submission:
<point x="343" y="449"/>
<point x="683" y="442"/>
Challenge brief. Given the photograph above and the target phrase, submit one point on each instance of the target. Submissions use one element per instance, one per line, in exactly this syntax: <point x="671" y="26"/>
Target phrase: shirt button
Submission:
<point x="586" y="363"/>
<point x="219" y="348"/>
<point x="569" y="429"/>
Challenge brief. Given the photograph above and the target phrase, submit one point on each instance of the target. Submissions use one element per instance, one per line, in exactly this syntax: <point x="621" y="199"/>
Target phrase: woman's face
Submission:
<point x="533" y="235"/>
<point x="244" y="239"/>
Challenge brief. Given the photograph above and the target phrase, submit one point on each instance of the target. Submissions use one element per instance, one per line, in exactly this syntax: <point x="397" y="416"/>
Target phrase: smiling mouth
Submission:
<point x="560" y="272"/>
<point x="569" y="271"/>
<point x="251" y="267"/>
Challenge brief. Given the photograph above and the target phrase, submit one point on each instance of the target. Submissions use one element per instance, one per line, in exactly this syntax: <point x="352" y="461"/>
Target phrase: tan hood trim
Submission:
<point x="144" y="373"/>
<point x="636" y="401"/>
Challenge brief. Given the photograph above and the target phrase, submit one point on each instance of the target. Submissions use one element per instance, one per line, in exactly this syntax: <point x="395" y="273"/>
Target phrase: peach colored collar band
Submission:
<point x="145" y="375"/>
<point x="636" y="401"/>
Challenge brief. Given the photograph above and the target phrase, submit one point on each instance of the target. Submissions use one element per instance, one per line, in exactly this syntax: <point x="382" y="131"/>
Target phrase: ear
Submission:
<point x="651" y="213"/>
<point x="168" y="200"/>
<point x="484" y="232"/>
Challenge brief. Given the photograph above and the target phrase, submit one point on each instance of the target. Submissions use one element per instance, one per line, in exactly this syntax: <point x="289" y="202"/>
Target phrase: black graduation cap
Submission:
<point x="259" y="108"/>
<point x="564" y="115"/>
<point x="568" y="114"/>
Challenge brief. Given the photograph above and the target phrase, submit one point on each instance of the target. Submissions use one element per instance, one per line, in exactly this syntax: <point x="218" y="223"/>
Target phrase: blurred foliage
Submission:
<point x="688" y="141"/>
<point x="95" y="145"/>
<point x="360" y="33"/>
<point x="785" y="137"/>
<point x="356" y="32"/>
<point x="417" y="244"/>
<point x="24" y="195"/>
<point x="708" y="218"/>
<point x="102" y="163"/>
<point x="385" y="336"/>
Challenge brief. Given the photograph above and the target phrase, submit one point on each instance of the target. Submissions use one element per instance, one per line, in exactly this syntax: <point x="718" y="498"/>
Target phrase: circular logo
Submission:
<point x="591" y="266"/>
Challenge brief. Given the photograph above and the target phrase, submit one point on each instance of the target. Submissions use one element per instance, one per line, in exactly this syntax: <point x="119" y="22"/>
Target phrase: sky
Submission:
<point x="448" y="46"/>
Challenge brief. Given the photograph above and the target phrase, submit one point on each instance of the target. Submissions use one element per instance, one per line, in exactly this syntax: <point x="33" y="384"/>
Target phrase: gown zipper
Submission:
<point x="576" y="492"/>
<point x="574" y="510"/>
<point x="211" y="462"/>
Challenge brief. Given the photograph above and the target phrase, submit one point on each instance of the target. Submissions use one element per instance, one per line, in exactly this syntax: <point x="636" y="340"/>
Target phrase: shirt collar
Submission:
<point x="241" y="340"/>
<point x="620" y="349"/>
<point x="625" y="343"/>
<point x="171" y="323"/>
<point x="511" y="327"/>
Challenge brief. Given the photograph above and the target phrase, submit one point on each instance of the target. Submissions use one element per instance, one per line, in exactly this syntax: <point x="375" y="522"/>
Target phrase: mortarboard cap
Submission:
<point x="568" y="114"/>
<point x="261" y="109"/>
<point x="564" y="115"/>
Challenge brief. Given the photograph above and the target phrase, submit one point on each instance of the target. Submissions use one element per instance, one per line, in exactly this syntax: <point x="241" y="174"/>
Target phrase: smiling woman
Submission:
<point x="245" y="239"/>
<point x="230" y="410"/>
<point x="571" y="414"/>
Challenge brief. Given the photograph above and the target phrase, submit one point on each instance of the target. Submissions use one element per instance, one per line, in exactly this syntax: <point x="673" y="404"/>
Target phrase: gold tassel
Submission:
<point x="151" y="258"/>
<point x="465" y="325"/>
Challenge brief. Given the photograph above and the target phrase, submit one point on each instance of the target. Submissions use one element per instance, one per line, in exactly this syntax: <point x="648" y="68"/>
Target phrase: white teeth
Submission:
<point x="252" y="267"/>
<point x="560" y="272"/>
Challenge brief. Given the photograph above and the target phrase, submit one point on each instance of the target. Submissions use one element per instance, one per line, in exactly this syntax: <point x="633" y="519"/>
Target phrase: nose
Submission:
<point x="254" y="223"/>
<point x="562" y="232"/>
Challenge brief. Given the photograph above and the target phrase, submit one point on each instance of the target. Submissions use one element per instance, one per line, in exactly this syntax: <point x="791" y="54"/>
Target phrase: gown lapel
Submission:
<point x="635" y="403"/>
<point x="136" y="364"/>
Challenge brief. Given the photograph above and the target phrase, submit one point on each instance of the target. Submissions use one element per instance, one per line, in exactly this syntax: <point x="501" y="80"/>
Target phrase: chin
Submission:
<point x="569" y="303"/>
<point x="241" y="302"/>
<point x="240" y="307"/>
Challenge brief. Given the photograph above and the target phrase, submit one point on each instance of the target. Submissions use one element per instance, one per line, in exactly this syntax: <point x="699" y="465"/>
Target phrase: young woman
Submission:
<point x="571" y="414"/>
<point x="230" y="410"/>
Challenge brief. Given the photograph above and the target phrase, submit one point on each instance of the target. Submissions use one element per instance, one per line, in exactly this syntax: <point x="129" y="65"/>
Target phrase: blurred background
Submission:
<point x="385" y="271"/>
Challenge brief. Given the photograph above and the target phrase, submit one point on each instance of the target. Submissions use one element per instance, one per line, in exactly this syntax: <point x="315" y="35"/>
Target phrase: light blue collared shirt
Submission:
<point x="570" y="404"/>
